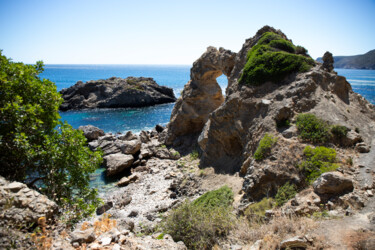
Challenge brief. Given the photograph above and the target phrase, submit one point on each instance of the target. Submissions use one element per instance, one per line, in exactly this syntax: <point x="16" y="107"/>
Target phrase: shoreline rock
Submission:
<point x="115" y="92"/>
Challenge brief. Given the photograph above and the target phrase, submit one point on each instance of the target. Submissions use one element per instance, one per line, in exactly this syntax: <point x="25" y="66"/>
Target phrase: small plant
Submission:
<point x="41" y="236"/>
<point x="163" y="146"/>
<point x="318" y="161"/>
<point x="103" y="225"/>
<point x="312" y="129"/>
<point x="320" y="215"/>
<point x="160" y="236"/>
<point x="257" y="210"/>
<point x="194" y="155"/>
<point x="199" y="223"/>
<point x="176" y="153"/>
<point x="264" y="147"/>
<point x="285" y="193"/>
<point x="349" y="161"/>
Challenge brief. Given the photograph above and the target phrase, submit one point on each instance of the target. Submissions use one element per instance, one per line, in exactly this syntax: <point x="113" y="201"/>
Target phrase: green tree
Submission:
<point x="35" y="146"/>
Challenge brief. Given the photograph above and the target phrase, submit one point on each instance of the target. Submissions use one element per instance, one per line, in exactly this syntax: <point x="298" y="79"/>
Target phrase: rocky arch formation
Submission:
<point x="228" y="131"/>
<point x="201" y="95"/>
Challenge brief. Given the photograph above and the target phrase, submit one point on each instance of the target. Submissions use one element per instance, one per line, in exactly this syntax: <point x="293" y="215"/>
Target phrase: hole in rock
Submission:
<point x="222" y="80"/>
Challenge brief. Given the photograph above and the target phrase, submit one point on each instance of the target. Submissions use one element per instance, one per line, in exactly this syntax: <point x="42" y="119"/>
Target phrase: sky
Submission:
<point x="176" y="31"/>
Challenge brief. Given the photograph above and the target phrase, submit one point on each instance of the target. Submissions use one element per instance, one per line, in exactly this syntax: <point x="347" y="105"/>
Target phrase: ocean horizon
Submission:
<point x="173" y="76"/>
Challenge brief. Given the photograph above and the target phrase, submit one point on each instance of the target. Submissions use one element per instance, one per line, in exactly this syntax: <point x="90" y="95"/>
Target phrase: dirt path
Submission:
<point x="345" y="233"/>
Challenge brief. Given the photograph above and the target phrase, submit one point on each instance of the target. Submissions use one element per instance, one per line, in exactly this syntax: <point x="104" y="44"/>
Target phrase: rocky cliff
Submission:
<point x="116" y="92"/>
<point x="228" y="130"/>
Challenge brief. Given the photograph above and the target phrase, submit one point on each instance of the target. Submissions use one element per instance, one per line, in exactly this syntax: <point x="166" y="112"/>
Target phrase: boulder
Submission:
<point x="332" y="183"/>
<point x="296" y="242"/>
<point x="115" y="163"/>
<point x="91" y="132"/>
<point x="362" y="147"/>
<point x="116" y="92"/>
<point x="104" y="208"/>
<point x="159" y="128"/>
<point x="128" y="136"/>
<point x="352" y="138"/>
<point x="83" y="236"/>
<point x="129" y="147"/>
<point x="127" y="180"/>
<point x="328" y="61"/>
<point x="22" y="205"/>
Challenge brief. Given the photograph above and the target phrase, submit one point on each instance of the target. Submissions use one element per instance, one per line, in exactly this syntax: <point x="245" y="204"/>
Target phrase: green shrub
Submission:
<point x="194" y="155"/>
<point x="220" y="197"/>
<point x="264" y="147"/>
<point x="285" y="193"/>
<point x="258" y="209"/>
<point x="272" y="59"/>
<point x="200" y="223"/>
<point x="39" y="149"/>
<point x="339" y="132"/>
<point x="318" y="160"/>
<point x="312" y="129"/>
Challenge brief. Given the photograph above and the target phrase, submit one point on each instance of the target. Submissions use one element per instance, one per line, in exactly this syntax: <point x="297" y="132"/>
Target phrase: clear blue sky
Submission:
<point x="176" y="31"/>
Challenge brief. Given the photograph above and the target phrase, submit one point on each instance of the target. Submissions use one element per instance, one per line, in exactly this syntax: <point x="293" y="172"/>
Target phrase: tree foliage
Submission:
<point x="36" y="147"/>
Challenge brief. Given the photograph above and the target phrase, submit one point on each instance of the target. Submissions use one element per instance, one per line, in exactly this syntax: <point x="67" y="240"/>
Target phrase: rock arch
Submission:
<point x="201" y="95"/>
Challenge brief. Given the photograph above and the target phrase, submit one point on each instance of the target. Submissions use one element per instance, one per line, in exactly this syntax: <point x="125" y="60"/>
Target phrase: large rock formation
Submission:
<point x="116" y="92"/>
<point x="230" y="130"/>
<point x="201" y="95"/>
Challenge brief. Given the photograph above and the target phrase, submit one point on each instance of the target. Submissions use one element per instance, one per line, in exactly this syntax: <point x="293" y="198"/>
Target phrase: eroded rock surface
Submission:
<point x="116" y="92"/>
<point x="21" y="205"/>
<point x="232" y="129"/>
<point x="201" y="95"/>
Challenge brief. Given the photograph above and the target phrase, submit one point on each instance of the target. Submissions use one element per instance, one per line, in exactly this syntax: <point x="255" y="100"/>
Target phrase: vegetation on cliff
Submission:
<point x="318" y="160"/>
<point x="201" y="222"/>
<point x="272" y="59"/>
<point x="36" y="147"/>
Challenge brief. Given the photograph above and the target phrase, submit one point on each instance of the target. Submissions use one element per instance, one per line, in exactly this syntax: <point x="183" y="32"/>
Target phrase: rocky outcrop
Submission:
<point x="125" y="151"/>
<point x="201" y="95"/>
<point x="115" y="92"/>
<point x="229" y="130"/>
<point x="91" y="132"/>
<point x="22" y="206"/>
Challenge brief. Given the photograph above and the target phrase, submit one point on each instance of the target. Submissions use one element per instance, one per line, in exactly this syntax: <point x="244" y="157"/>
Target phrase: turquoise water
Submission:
<point x="121" y="120"/>
<point x="137" y="119"/>
<point x="174" y="76"/>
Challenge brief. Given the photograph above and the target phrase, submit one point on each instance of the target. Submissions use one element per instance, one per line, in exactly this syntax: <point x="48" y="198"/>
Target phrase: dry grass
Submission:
<point x="42" y="237"/>
<point x="273" y="232"/>
<point x="102" y="225"/>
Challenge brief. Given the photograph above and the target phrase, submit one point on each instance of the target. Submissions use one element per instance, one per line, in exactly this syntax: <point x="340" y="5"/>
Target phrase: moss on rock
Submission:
<point x="272" y="59"/>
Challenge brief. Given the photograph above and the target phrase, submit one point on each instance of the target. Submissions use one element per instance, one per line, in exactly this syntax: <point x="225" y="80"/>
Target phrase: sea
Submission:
<point x="137" y="119"/>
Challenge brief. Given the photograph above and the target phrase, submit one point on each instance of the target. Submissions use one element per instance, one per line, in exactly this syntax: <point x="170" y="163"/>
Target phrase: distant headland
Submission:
<point x="365" y="61"/>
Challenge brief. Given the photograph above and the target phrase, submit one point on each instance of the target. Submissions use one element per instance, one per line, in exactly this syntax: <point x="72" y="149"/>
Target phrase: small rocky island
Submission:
<point x="116" y="92"/>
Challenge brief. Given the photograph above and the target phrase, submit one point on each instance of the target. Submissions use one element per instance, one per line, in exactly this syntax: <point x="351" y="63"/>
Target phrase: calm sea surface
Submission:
<point x="137" y="119"/>
<point x="121" y="120"/>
